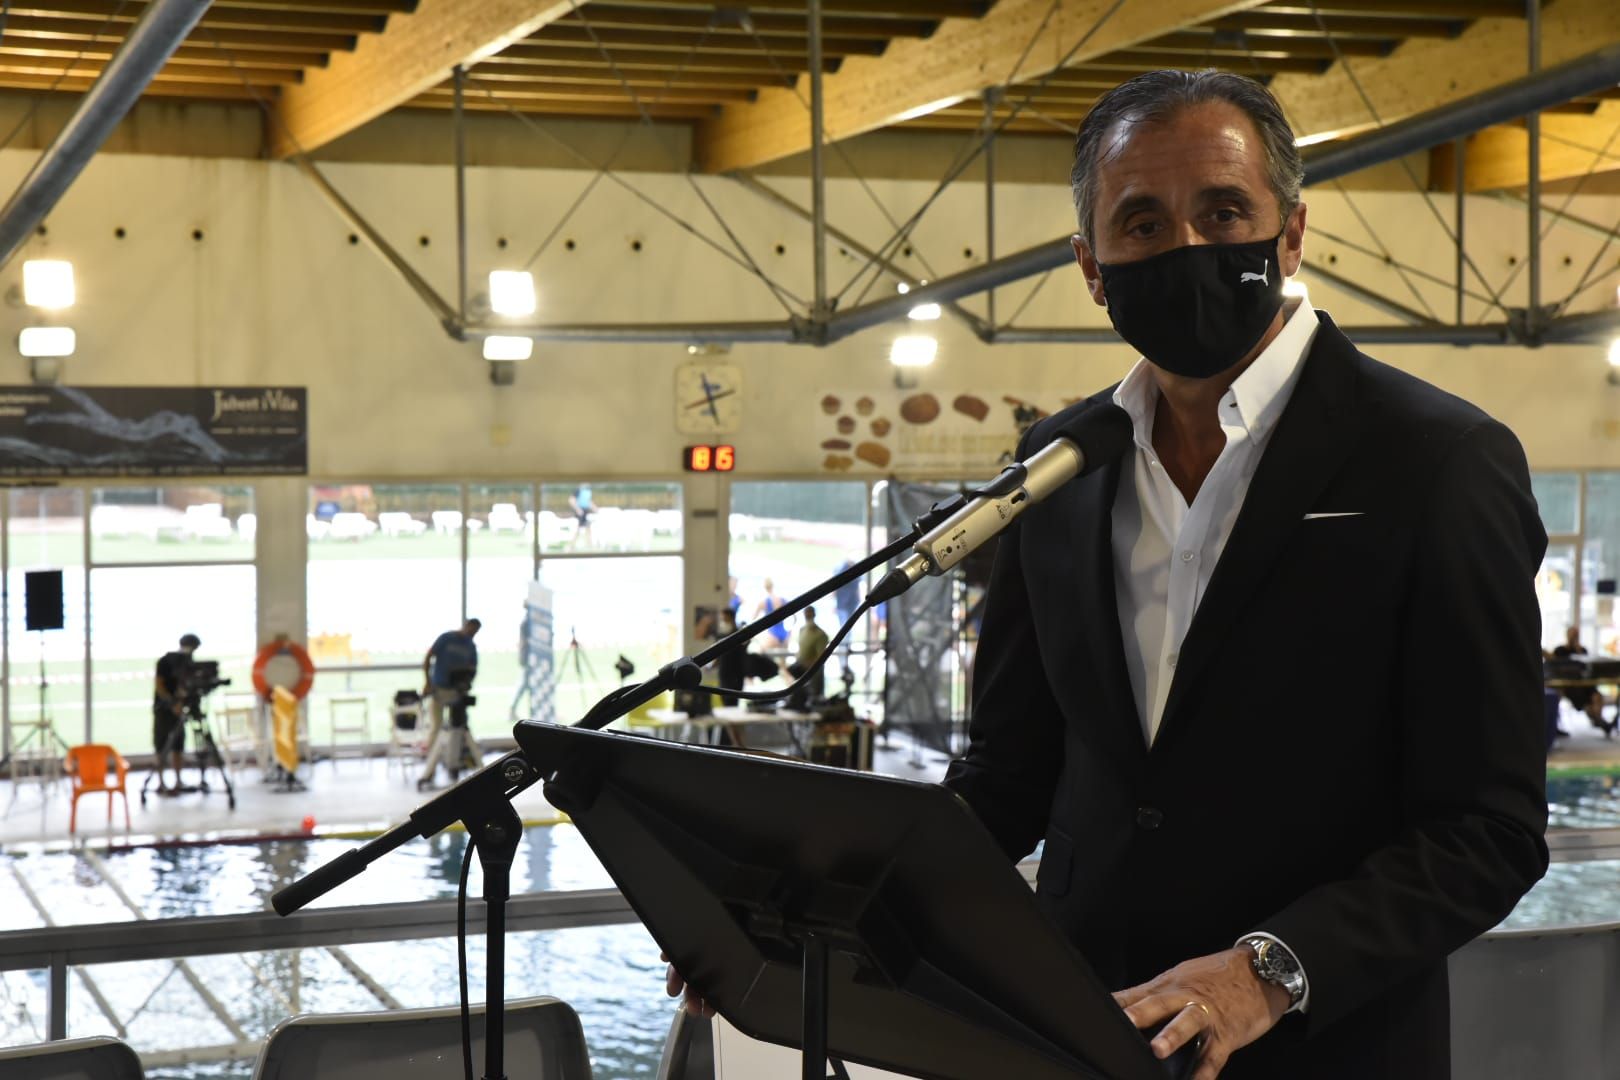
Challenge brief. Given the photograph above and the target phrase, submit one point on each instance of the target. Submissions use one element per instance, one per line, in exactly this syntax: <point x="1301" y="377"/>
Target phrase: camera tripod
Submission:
<point x="584" y="674"/>
<point x="207" y="755"/>
<point x="43" y="730"/>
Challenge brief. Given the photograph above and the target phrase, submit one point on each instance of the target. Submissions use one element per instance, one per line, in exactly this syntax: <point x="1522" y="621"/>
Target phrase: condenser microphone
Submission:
<point x="1090" y="439"/>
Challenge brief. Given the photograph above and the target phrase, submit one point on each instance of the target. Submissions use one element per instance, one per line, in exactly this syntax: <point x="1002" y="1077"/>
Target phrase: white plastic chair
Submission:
<point x="349" y="716"/>
<point x="240" y="731"/>
<point x="97" y="1058"/>
<point x="504" y="517"/>
<point x="544" y="1041"/>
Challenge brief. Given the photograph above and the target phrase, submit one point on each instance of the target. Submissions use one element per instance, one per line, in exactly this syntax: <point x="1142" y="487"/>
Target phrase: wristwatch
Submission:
<point x="1275" y="964"/>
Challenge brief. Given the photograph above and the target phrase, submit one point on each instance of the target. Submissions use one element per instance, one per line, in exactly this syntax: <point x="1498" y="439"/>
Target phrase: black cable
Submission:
<point x="810" y="673"/>
<point x="461" y="956"/>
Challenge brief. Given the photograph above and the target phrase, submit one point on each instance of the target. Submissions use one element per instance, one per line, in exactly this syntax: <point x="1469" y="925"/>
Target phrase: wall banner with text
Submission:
<point x="59" y="431"/>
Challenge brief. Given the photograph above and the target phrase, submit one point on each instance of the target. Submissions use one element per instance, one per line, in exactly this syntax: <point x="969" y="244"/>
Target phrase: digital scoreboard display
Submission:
<point x="705" y="458"/>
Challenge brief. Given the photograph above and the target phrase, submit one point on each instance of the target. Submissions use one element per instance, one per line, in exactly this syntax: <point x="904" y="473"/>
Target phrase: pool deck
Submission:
<point x="350" y="796"/>
<point x="1585" y="750"/>
<point x="354" y="796"/>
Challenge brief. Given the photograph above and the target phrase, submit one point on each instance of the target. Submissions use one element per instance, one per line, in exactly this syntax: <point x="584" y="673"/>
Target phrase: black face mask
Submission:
<point x="1196" y="310"/>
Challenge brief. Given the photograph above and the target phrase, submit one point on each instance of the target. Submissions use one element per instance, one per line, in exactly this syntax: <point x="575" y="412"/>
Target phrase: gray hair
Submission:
<point x="1159" y="95"/>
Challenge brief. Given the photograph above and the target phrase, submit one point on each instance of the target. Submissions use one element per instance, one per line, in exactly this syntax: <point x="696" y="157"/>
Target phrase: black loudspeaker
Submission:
<point x="43" y="599"/>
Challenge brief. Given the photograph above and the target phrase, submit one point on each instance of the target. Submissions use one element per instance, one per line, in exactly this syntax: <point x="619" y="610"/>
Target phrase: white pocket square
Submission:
<point x="1340" y="514"/>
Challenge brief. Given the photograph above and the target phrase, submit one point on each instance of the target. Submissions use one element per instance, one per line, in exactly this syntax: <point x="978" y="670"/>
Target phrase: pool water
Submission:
<point x="610" y="975"/>
<point x="1583" y="800"/>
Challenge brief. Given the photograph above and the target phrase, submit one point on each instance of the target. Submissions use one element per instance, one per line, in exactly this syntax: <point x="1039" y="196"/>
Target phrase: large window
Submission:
<point x="139" y="613"/>
<point x="163" y="561"/>
<point x="393" y="566"/>
<point x="604" y="609"/>
<point x="1580" y="577"/>
<point x="384" y="580"/>
<point x="500" y="566"/>
<point x="172" y="525"/>
<point x="787" y="537"/>
<point x="45" y="531"/>
<point x="592" y="517"/>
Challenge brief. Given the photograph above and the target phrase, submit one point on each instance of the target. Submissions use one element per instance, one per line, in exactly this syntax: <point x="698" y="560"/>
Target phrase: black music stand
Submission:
<point x="863" y="917"/>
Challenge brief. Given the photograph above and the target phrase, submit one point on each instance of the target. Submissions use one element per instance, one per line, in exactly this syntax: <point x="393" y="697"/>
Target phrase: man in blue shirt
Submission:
<point x="449" y="669"/>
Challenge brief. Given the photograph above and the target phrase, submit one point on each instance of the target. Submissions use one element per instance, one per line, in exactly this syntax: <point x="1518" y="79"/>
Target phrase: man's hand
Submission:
<point x="1217" y="995"/>
<point x="675" y="986"/>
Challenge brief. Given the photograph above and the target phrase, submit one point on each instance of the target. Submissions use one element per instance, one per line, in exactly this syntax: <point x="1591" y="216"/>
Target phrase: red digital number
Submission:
<point x="702" y="460"/>
<point x="725" y="458"/>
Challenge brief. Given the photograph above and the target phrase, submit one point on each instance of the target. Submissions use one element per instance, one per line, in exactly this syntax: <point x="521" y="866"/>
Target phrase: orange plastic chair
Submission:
<point x="87" y="767"/>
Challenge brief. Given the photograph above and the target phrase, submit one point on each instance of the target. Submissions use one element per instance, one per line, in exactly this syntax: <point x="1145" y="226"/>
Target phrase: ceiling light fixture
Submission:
<point x="47" y="341"/>
<point x="511" y="293"/>
<point x="48" y="283"/>
<point x="505" y="347"/>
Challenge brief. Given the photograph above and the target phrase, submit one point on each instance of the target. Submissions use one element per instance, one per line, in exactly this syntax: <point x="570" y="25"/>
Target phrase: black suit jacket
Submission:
<point x="1351" y="754"/>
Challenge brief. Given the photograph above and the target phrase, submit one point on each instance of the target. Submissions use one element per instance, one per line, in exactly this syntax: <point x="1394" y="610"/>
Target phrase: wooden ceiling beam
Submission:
<point x="28" y="29"/>
<point x="158" y="87"/>
<point x="1127" y="62"/>
<point x="504" y="67"/>
<point x="1274" y="21"/>
<point x="1241" y="44"/>
<point x="899" y="9"/>
<point x="100" y="52"/>
<point x="439" y="100"/>
<point x="174" y="71"/>
<point x="1498" y="157"/>
<point x="699" y="60"/>
<point x="963" y="58"/>
<point x="1424" y="74"/>
<point x="762" y="23"/>
<point x="529" y="89"/>
<point x="314" y="22"/>
<point x="589" y="36"/>
<point x="347" y="7"/>
<point x="416" y="52"/>
<point x="1435" y="9"/>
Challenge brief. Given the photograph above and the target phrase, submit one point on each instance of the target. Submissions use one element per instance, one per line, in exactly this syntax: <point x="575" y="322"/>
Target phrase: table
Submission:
<point x="856" y="737"/>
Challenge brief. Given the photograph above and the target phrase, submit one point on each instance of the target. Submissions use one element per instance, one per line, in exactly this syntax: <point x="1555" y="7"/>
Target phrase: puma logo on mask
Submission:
<point x="1260" y="277"/>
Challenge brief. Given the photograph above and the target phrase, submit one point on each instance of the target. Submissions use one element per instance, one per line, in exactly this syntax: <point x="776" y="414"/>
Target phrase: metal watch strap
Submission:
<point x="1288" y="975"/>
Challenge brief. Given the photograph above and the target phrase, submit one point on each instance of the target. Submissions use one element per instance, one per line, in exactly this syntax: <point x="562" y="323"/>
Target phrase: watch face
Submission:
<point x="1273" y="963"/>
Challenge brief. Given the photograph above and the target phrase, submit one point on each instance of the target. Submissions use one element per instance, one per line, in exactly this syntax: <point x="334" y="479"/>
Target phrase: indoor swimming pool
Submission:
<point x="610" y="974"/>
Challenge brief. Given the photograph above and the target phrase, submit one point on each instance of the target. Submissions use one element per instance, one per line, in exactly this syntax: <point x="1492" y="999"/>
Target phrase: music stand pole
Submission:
<point x="813" y="1054"/>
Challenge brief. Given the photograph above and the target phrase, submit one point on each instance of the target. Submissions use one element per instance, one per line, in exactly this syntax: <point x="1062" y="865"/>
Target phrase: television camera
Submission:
<point x="198" y="679"/>
<point x="461" y="680"/>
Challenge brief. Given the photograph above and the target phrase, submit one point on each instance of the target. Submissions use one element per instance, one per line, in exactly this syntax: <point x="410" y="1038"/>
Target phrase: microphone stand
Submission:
<point x="483" y="801"/>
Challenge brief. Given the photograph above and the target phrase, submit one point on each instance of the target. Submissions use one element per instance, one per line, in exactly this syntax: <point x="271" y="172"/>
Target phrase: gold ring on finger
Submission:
<point x="1200" y="1005"/>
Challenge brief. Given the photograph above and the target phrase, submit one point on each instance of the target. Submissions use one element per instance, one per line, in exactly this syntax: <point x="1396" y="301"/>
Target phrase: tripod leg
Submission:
<point x="218" y="762"/>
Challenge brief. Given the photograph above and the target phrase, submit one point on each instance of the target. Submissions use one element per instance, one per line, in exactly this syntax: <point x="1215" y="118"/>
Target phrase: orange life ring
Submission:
<point x="306" y="667"/>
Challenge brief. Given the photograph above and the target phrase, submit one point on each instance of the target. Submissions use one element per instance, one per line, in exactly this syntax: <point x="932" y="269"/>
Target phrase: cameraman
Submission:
<point x="169" y="710"/>
<point x="449" y="668"/>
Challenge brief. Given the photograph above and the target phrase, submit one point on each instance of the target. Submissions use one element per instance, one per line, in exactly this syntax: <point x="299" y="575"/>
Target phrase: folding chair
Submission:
<point x="544" y="1041"/>
<point x="98" y="1058"/>
<point x="405" y="733"/>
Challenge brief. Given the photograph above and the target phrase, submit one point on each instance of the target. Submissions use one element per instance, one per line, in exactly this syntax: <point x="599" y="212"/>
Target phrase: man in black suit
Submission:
<point x="1269" y="687"/>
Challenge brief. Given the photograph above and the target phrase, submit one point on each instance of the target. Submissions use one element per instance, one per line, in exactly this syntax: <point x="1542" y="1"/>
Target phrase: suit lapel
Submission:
<point x="1091" y="530"/>
<point x="1311" y="443"/>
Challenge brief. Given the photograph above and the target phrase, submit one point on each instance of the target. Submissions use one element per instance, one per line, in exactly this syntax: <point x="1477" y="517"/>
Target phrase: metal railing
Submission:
<point x="1590" y="952"/>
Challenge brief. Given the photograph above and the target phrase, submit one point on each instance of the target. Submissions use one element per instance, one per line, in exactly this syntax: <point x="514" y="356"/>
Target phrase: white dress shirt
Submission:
<point x="1165" y="551"/>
